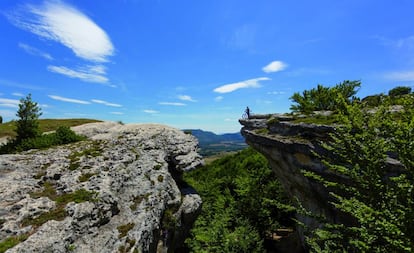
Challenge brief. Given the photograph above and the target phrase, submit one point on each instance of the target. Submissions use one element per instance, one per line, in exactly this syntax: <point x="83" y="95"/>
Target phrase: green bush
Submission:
<point x="63" y="135"/>
<point x="324" y="98"/>
<point x="399" y="91"/>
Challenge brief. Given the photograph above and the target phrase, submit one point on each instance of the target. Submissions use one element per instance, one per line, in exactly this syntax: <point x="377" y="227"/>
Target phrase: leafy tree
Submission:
<point x="242" y="200"/>
<point x="1" y="119"/>
<point x="27" y="126"/>
<point x="378" y="198"/>
<point x="399" y="91"/>
<point x="324" y="98"/>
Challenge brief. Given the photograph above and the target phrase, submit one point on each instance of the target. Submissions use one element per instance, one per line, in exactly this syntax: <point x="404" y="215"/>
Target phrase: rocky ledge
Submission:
<point x="293" y="148"/>
<point x="118" y="191"/>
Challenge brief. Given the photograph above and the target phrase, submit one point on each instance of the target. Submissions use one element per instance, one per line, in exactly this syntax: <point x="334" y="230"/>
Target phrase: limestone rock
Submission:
<point x="132" y="175"/>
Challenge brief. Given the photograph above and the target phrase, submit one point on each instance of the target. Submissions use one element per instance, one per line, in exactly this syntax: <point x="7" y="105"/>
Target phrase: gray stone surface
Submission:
<point x="133" y="171"/>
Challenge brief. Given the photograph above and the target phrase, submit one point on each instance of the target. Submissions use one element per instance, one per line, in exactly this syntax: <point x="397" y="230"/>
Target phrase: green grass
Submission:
<point x="58" y="213"/>
<point x="45" y="125"/>
<point x="124" y="229"/>
<point x="12" y="241"/>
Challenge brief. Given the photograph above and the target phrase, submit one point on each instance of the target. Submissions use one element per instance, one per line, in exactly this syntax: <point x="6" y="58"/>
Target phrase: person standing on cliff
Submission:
<point x="247" y="111"/>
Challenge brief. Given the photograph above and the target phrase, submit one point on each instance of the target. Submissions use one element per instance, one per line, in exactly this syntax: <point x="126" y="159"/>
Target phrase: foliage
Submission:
<point x="1" y="119"/>
<point x="63" y="135"/>
<point x="59" y="212"/>
<point x="45" y="125"/>
<point x="378" y="199"/>
<point x="11" y="241"/>
<point x="242" y="200"/>
<point x="27" y="126"/>
<point x="324" y="98"/>
<point x="399" y="91"/>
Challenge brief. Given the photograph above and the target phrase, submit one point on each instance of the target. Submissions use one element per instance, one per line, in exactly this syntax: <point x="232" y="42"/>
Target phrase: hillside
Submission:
<point x="211" y="143"/>
<point x="45" y="125"/>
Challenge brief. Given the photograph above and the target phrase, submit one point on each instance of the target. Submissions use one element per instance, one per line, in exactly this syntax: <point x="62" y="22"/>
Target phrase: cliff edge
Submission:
<point x="118" y="191"/>
<point x="292" y="148"/>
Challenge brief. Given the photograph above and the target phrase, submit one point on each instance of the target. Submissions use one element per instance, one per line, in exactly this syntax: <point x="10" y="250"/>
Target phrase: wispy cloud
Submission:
<point x="276" y="93"/>
<point x="151" y="111"/>
<point x="401" y="76"/>
<point x="251" y="83"/>
<point x="219" y="98"/>
<point x="5" y="102"/>
<point x="69" y="100"/>
<point x="18" y="94"/>
<point x="34" y="51"/>
<point x="58" y="21"/>
<point x="7" y="113"/>
<point x="105" y="103"/>
<point x="186" y="98"/>
<point x="92" y="74"/>
<point x="172" y="103"/>
<point x="117" y="113"/>
<point x="274" y="66"/>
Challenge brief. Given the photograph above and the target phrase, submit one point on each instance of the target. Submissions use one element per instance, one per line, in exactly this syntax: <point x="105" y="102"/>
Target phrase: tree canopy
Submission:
<point x="380" y="199"/>
<point x="324" y="98"/>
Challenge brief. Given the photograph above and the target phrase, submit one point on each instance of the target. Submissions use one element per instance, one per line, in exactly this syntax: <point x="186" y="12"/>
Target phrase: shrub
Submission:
<point x="324" y="98"/>
<point x="399" y="91"/>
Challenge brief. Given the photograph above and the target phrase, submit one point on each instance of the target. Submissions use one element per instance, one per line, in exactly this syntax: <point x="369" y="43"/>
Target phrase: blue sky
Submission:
<point x="195" y="64"/>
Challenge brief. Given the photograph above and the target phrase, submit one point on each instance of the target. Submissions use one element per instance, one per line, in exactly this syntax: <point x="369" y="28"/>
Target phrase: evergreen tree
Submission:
<point x="27" y="126"/>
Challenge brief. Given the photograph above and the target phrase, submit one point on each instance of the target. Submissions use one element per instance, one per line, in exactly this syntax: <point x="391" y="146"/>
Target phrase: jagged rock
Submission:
<point x="132" y="173"/>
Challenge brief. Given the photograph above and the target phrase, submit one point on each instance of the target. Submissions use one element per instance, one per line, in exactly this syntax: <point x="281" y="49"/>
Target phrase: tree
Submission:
<point x="27" y="126"/>
<point x="379" y="198"/>
<point x="324" y="98"/>
<point x="1" y="120"/>
<point x="399" y="91"/>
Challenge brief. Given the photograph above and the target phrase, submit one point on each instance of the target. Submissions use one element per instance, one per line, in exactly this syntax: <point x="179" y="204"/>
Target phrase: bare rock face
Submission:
<point x="118" y="191"/>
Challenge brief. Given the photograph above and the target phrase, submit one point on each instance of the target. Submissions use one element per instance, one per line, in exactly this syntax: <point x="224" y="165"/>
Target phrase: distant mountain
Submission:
<point x="211" y="143"/>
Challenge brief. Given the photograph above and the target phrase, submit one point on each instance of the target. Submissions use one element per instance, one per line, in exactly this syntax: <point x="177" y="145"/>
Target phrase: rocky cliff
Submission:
<point x="292" y="148"/>
<point x="118" y="191"/>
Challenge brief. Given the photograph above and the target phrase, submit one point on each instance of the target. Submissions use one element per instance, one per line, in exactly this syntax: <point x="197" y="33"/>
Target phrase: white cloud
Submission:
<point x="219" y="98"/>
<point x="274" y="66"/>
<point x="7" y="113"/>
<point x="117" y="113"/>
<point x="151" y="111"/>
<point x="251" y="83"/>
<point x="58" y="21"/>
<point x="34" y="51"/>
<point x="105" y="103"/>
<point x="186" y="98"/>
<point x="13" y="103"/>
<point x="172" y="103"/>
<point x="276" y="93"/>
<point x="401" y="76"/>
<point x="17" y="94"/>
<point x="69" y="100"/>
<point x="92" y="74"/>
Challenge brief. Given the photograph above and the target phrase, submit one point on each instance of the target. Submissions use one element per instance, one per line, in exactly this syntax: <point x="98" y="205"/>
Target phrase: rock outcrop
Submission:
<point x="118" y="191"/>
<point x="292" y="148"/>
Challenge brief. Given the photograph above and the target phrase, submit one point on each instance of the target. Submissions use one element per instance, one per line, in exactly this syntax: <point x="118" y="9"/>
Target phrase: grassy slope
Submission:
<point x="7" y="129"/>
